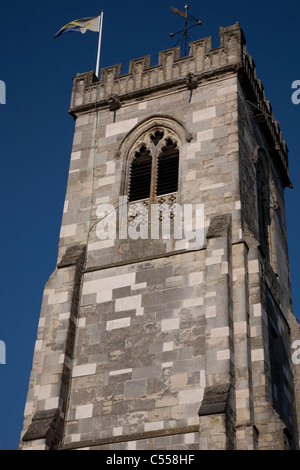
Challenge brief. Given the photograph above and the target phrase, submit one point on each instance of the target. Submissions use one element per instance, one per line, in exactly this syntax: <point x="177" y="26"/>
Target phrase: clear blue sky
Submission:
<point x="36" y="135"/>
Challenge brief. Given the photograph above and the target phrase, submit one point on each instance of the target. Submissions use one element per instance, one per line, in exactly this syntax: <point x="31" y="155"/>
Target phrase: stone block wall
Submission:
<point x="164" y="343"/>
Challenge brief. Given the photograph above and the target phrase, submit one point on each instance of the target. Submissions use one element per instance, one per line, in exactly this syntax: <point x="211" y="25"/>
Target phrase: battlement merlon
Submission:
<point x="203" y="63"/>
<point x="142" y="77"/>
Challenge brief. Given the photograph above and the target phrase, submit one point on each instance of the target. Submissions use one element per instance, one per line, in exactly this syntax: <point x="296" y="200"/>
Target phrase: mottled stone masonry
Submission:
<point x="162" y="343"/>
<point x="140" y="353"/>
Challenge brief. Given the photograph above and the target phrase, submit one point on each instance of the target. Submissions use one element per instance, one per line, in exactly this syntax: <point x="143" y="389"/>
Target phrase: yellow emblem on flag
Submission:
<point x="80" y="26"/>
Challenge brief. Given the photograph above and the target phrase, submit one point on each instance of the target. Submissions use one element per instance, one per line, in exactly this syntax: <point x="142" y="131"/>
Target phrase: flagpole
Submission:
<point x="99" y="45"/>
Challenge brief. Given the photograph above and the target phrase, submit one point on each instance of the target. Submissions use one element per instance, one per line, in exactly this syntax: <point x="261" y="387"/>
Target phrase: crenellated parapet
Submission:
<point x="262" y="108"/>
<point x="173" y="72"/>
<point x="142" y="77"/>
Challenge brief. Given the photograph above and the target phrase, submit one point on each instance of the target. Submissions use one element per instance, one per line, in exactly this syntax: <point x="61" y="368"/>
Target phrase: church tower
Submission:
<point x="168" y="323"/>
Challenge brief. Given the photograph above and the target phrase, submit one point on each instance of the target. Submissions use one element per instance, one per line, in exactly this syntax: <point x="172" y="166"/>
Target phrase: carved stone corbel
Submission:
<point x="114" y="103"/>
<point x="191" y="81"/>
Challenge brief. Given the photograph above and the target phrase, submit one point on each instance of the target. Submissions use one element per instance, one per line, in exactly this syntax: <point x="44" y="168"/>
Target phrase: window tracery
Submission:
<point x="153" y="174"/>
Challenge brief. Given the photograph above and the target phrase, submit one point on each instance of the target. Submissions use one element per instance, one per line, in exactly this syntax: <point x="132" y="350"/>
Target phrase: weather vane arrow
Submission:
<point x="187" y="17"/>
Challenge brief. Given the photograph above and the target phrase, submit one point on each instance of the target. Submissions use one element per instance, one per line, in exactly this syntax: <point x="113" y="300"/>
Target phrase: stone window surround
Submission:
<point x="155" y="150"/>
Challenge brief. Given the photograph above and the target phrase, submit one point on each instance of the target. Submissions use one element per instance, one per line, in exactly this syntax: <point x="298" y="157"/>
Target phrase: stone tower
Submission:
<point x="165" y="342"/>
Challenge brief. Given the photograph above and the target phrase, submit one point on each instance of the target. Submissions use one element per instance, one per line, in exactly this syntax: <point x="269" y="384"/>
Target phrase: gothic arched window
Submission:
<point x="267" y="205"/>
<point x="140" y="175"/>
<point x="167" y="169"/>
<point x="263" y="200"/>
<point x="154" y="167"/>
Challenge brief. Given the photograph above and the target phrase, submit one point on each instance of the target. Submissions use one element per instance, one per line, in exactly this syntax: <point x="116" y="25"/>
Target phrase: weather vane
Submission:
<point x="185" y="38"/>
